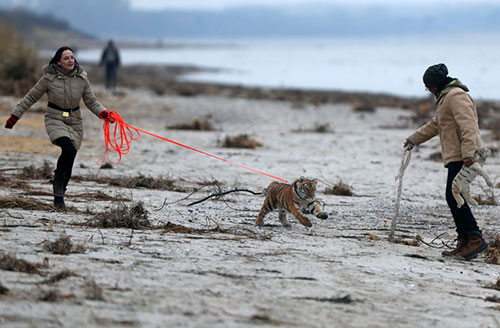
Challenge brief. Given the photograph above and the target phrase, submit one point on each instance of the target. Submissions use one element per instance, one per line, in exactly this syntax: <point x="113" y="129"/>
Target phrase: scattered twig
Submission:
<point x="222" y="194"/>
<point x="21" y="225"/>
<point x="102" y="235"/>
<point x="179" y="200"/>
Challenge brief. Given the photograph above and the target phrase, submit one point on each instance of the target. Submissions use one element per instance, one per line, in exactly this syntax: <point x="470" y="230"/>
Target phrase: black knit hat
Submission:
<point x="436" y="76"/>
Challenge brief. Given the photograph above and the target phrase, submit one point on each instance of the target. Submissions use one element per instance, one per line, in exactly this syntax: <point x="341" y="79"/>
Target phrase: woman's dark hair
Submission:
<point x="58" y="55"/>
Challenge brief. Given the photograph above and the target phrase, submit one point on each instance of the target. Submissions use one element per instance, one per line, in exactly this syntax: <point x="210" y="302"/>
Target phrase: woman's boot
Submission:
<point x="58" y="188"/>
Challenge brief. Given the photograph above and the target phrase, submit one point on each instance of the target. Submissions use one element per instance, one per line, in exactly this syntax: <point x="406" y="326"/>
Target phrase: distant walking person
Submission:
<point x="456" y="123"/>
<point x="65" y="84"/>
<point x="111" y="60"/>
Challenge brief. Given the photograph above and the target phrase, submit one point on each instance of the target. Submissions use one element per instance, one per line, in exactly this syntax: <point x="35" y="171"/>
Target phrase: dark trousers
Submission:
<point x="464" y="220"/>
<point x="111" y="71"/>
<point x="66" y="160"/>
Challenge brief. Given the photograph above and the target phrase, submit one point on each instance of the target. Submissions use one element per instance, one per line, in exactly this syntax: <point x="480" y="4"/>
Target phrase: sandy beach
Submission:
<point x="208" y="265"/>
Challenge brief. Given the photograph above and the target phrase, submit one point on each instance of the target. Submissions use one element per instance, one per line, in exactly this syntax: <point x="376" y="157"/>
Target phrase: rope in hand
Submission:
<point x="123" y="134"/>
<point x="405" y="161"/>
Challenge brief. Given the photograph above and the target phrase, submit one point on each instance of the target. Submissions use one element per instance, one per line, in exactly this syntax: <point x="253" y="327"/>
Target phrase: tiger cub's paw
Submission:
<point x="322" y="216"/>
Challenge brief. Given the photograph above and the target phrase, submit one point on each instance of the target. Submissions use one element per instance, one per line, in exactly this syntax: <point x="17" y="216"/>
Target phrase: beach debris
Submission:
<point x="317" y="128"/>
<point x="405" y="161"/>
<point x="347" y="299"/>
<point x="94" y="292"/>
<point x="59" y="276"/>
<point x="416" y="256"/>
<point x="494" y="299"/>
<point x="63" y="246"/>
<point x="122" y="216"/>
<point x="492" y="254"/>
<point x="240" y="141"/>
<point x="106" y="166"/>
<point x="24" y="203"/>
<point x="196" y="125"/>
<point x="223" y="193"/>
<point x="495" y="286"/>
<point x="237" y="231"/>
<point x="11" y="263"/>
<point x="4" y="290"/>
<point x="143" y="181"/>
<point x="488" y="200"/>
<point x="264" y="319"/>
<point x="140" y="181"/>
<point x="13" y="183"/>
<point x="32" y="172"/>
<point x="413" y="242"/>
<point x="339" y="189"/>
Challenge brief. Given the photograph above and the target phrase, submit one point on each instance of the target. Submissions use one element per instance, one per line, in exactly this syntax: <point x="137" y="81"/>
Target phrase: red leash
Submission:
<point x="123" y="134"/>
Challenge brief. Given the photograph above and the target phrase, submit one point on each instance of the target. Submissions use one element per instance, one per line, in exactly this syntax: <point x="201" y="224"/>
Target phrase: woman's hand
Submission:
<point x="11" y="122"/>
<point x="105" y="116"/>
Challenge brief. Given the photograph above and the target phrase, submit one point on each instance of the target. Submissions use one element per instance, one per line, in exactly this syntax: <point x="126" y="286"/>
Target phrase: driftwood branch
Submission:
<point x="222" y="194"/>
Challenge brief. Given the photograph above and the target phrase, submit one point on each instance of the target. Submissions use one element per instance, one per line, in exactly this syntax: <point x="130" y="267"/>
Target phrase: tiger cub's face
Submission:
<point x="306" y="188"/>
<point x="482" y="153"/>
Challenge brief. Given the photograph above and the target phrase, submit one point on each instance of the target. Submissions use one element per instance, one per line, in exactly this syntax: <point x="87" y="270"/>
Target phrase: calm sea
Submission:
<point x="388" y="65"/>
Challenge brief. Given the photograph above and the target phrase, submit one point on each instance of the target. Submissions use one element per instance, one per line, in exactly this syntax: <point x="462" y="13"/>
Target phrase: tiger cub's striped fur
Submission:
<point x="297" y="198"/>
<point x="460" y="185"/>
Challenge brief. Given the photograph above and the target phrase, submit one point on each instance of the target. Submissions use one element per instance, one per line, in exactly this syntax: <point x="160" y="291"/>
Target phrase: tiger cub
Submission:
<point x="466" y="175"/>
<point x="295" y="198"/>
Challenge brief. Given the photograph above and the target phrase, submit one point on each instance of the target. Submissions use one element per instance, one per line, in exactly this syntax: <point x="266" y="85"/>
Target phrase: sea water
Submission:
<point x="392" y="65"/>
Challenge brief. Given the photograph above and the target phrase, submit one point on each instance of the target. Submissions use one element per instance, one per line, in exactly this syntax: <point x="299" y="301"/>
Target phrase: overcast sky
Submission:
<point x="220" y="4"/>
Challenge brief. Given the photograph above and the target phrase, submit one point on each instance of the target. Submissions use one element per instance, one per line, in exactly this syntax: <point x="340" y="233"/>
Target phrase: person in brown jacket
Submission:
<point x="456" y="123"/>
<point x="65" y="83"/>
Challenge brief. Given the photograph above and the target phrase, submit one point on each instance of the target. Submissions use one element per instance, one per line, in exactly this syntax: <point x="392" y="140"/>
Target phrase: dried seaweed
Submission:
<point x="4" y="290"/>
<point x="342" y="300"/>
<point x="24" y="203"/>
<point x="492" y="256"/>
<point x="54" y="296"/>
<point x="488" y="200"/>
<point x="10" y="263"/>
<point x="317" y="128"/>
<point x="240" y="141"/>
<point x="148" y="182"/>
<point x="196" y="125"/>
<point x="59" y="276"/>
<point x="243" y="232"/>
<point x="101" y="196"/>
<point x="32" y="172"/>
<point x="94" y="291"/>
<point x="339" y="189"/>
<point x="122" y="216"/>
<point x="10" y="183"/>
<point x="63" y="246"/>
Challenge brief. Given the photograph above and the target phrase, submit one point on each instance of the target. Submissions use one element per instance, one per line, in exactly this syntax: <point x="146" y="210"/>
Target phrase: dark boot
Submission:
<point x="58" y="185"/>
<point x="475" y="245"/>
<point x="461" y="243"/>
<point x="59" y="203"/>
